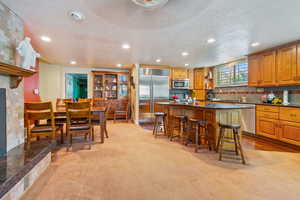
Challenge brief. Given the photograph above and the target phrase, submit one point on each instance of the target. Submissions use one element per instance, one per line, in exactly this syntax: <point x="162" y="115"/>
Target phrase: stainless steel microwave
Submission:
<point x="181" y="84"/>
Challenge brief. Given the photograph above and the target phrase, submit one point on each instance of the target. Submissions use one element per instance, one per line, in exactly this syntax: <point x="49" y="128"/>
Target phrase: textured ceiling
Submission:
<point x="181" y="25"/>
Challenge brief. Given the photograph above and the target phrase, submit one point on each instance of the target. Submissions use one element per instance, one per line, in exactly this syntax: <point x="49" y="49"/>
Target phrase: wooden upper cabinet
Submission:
<point x="199" y="79"/>
<point x="297" y="72"/>
<point x="287" y="65"/>
<point x="254" y="70"/>
<point x="180" y="73"/>
<point x="268" y="69"/>
<point x="191" y="77"/>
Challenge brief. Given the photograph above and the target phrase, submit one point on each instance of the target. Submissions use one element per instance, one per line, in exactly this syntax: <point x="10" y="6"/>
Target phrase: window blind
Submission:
<point x="232" y="74"/>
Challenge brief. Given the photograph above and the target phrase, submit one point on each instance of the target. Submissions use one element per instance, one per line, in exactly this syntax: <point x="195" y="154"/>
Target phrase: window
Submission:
<point x="232" y="74"/>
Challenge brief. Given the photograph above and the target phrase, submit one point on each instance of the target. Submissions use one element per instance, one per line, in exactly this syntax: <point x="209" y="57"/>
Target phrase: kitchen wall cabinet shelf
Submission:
<point x="16" y="73"/>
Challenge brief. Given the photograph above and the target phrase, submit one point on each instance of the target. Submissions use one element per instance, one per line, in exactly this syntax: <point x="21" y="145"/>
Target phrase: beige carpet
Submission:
<point x="132" y="165"/>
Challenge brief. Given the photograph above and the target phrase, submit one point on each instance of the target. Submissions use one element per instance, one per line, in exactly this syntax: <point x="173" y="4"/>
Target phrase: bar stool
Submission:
<point x="159" y="121"/>
<point x="201" y="131"/>
<point x="236" y="140"/>
<point x="181" y="120"/>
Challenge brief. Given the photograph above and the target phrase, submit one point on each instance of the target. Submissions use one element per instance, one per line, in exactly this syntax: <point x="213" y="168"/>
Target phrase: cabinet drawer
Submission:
<point x="274" y="109"/>
<point x="268" y="115"/>
<point x="290" y="114"/>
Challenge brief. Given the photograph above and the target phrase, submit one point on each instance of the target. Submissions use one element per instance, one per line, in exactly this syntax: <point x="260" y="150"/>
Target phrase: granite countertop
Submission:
<point x="254" y="103"/>
<point x="210" y="105"/>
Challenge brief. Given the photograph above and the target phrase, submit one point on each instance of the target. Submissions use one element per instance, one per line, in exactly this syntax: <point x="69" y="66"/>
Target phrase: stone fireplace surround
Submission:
<point x="3" y="145"/>
<point x="14" y="113"/>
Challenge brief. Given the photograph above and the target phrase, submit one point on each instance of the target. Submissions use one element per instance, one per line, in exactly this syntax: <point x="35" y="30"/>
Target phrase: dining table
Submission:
<point x="97" y="111"/>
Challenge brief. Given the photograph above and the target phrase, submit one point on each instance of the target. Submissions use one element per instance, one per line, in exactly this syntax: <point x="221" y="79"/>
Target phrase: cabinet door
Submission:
<point x="267" y="127"/>
<point x="179" y="73"/>
<point x="297" y="72"/>
<point x="268" y="69"/>
<point x="290" y="132"/>
<point x="287" y="65"/>
<point x="199" y="79"/>
<point x="254" y="70"/>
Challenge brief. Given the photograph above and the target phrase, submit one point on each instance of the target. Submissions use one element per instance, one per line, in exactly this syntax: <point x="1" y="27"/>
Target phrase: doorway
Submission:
<point x="76" y="86"/>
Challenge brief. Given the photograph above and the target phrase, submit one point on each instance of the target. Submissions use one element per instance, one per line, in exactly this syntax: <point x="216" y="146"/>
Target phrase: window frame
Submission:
<point x="233" y="74"/>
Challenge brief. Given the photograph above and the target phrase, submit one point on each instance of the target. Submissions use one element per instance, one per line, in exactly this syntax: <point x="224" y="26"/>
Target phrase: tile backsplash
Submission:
<point x="254" y="94"/>
<point x="180" y="93"/>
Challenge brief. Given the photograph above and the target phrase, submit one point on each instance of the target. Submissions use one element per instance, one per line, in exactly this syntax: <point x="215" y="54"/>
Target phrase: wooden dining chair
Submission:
<point x="99" y="102"/>
<point x="79" y="121"/>
<point x="96" y="121"/>
<point x="39" y="119"/>
<point x="121" y="110"/>
<point x="81" y="100"/>
<point x="61" y="103"/>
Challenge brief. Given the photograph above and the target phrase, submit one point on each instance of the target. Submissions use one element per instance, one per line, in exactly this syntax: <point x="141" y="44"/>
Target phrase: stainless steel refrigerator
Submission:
<point x="153" y="87"/>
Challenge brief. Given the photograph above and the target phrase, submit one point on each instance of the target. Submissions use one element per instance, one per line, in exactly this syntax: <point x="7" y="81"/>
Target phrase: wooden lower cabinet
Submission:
<point x="280" y="124"/>
<point x="289" y="132"/>
<point x="267" y="127"/>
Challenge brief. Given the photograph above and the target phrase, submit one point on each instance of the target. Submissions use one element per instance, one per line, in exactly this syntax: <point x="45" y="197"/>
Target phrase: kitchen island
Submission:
<point x="212" y="113"/>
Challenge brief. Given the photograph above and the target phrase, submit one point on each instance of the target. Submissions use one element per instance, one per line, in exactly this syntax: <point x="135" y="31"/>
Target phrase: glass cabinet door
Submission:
<point x="123" y="90"/>
<point x="98" y="86"/>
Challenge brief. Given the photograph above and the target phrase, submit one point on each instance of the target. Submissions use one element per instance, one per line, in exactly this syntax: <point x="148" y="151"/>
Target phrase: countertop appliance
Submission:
<point x="181" y="84"/>
<point x="153" y="87"/>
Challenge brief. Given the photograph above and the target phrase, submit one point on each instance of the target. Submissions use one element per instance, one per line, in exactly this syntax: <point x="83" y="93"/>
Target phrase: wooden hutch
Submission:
<point x="113" y="87"/>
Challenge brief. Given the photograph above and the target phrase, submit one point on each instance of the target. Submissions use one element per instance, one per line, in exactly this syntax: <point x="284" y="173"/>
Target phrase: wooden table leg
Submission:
<point x="102" y="125"/>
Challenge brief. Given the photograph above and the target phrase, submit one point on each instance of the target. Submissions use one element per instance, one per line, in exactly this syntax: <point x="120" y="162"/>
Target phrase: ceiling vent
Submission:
<point x="76" y="16"/>
<point x="150" y="4"/>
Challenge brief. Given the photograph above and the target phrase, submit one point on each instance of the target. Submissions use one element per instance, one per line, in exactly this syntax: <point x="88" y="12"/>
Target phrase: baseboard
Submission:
<point x="292" y="146"/>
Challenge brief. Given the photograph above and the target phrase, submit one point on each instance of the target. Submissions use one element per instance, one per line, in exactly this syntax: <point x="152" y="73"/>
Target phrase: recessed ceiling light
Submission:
<point x="184" y="53"/>
<point x="186" y="65"/>
<point x="119" y="65"/>
<point x="73" y="62"/>
<point x="45" y="38"/>
<point x="126" y="46"/>
<point x="158" y="60"/>
<point x="211" y="40"/>
<point x="255" y="44"/>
